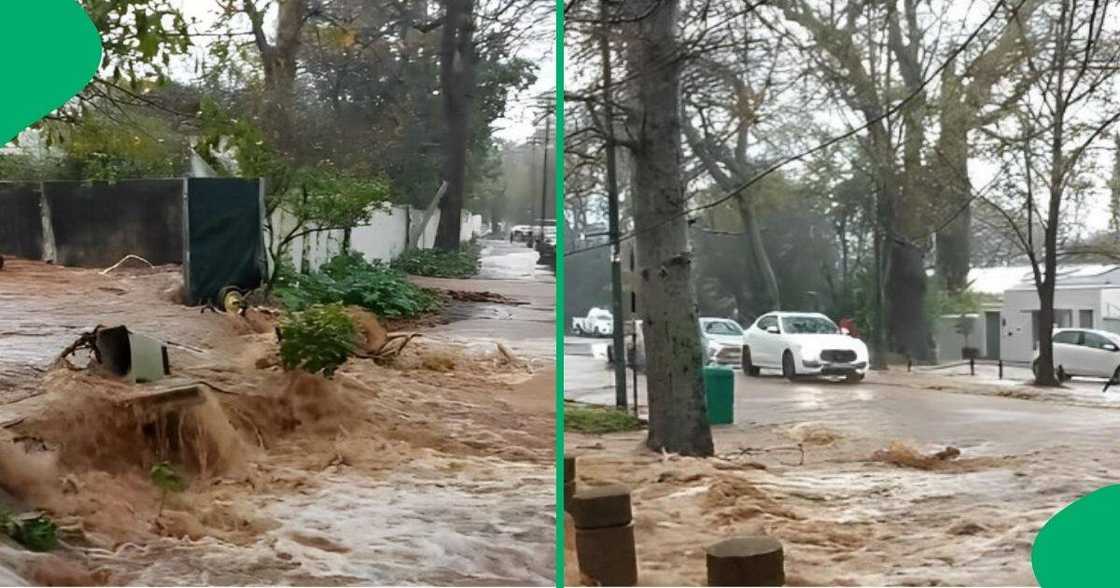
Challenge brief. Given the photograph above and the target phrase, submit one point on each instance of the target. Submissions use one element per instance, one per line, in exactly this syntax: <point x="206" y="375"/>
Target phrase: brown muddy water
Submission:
<point x="436" y="469"/>
<point x="859" y="511"/>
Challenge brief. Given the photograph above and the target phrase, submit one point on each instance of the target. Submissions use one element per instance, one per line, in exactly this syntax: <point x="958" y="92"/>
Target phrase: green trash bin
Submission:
<point x="719" y="387"/>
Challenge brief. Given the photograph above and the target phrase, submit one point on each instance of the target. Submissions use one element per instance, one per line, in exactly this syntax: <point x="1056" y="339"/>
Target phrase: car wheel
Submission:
<point x="748" y="367"/>
<point x="788" y="370"/>
<point x="1034" y="369"/>
<point x="579" y="330"/>
<point x="1062" y="375"/>
<point x="854" y="378"/>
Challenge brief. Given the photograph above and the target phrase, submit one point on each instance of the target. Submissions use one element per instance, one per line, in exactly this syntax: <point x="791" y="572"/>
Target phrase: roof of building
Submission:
<point x="997" y="280"/>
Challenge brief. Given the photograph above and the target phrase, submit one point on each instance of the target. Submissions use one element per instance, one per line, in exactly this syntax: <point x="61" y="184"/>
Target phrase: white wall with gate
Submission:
<point x="383" y="238"/>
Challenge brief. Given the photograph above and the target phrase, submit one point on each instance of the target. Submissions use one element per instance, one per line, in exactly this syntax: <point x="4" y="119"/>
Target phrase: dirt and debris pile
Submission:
<point x="813" y="434"/>
<point x="948" y="459"/>
<point x="903" y="454"/>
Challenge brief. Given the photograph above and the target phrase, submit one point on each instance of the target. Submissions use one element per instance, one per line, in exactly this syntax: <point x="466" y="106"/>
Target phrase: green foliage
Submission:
<point x="139" y="37"/>
<point x="351" y="280"/>
<point x="30" y="168"/>
<point x="37" y="534"/>
<point x="167" y="478"/>
<point x="97" y="148"/>
<point x="318" y="339"/>
<point x="437" y="263"/>
<point x="599" y="420"/>
<point x="940" y="302"/>
<point x="316" y="197"/>
<point x="334" y="198"/>
<point x="220" y="132"/>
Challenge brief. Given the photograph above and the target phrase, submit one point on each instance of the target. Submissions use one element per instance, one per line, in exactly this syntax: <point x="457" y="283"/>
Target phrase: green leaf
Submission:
<point x="37" y="534"/>
<point x="166" y="478"/>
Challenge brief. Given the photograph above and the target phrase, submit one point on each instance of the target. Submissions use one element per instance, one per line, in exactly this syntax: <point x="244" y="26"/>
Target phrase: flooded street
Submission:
<point x="866" y="504"/>
<point x="509" y="270"/>
<point x="435" y="469"/>
<point x="400" y="531"/>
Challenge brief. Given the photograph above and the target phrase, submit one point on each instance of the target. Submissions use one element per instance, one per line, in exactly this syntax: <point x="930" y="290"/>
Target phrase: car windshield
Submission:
<point x="722" y="328"/>
<point x="803" y="325"/>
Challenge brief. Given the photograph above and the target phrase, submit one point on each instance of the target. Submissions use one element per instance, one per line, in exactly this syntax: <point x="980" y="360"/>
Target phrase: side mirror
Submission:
<point x="773" y="330"/>
<point x="844" y="331"/>
<point x="1110" y="347"/>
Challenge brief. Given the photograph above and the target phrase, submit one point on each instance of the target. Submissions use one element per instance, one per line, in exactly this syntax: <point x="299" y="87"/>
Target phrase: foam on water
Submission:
<point x="350" y="530"/>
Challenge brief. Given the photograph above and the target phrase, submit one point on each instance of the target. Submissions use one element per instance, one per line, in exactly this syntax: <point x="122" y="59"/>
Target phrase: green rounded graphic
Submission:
<point x="49" y="50"/>
<point x="1078" y="546"/>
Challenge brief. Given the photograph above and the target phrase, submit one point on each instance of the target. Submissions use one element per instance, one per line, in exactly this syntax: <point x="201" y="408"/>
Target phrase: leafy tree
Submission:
<point x="315" y="198"/>
<point x="97" y="148"/>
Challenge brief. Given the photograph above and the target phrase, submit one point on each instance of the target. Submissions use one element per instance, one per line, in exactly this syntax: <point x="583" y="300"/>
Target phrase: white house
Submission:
<point x="1085" y="296"/>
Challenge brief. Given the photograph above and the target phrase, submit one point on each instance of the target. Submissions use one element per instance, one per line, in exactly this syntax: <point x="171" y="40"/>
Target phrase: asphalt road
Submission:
<point x="527" y="326"/>
<point x="875" y="409"/>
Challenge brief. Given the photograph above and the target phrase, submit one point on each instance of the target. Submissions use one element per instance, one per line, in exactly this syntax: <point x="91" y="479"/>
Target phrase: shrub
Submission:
<point x="318" y="339"/>
<point x="351" y="280"/>
<point x="37" y="534"/>
<point x="438" y="263"/>
<point x="167" y="479"/>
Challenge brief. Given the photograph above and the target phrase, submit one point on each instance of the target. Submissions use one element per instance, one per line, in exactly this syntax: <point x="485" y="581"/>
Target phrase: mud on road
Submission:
<point x="860" y="510"/>
<point x="434" y="469"/>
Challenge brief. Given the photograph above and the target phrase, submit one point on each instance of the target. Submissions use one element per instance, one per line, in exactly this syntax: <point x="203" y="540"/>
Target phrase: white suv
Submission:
<point x="803" y="344"/>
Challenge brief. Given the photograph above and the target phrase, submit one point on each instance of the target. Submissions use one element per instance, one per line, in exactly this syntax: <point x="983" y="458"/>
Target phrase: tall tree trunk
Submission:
<point x="906" y="289"/>
<point x="950" y="177"/>
<point x="1045" y="372"/>
<point x="457" y="76"/>
<point x="678" y="419"/>
<point x="279" y="60"/>
<point x="758" y="250"/>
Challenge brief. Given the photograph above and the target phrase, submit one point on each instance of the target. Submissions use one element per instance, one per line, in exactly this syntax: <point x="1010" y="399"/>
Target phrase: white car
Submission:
<point x="1084" y="352"/>
<point x="599" y="322"/>
<point x="723" y="340"/>
<point x="803" y="344"/>
<point x="519" y="233"/>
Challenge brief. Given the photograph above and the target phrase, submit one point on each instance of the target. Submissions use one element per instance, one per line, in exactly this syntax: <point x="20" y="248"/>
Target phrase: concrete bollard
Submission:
<point x="752" y="560"/>
<point x="569" y="479"/>
<point x="605" y="535"/>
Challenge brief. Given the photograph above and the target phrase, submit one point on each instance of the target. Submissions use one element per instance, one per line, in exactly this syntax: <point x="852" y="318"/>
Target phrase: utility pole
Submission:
<point x="612" y="197"/>
<point x="544" y="173"/>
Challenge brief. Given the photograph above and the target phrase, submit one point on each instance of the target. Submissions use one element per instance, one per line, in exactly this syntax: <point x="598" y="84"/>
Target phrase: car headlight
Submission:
<point x="811" y="356"/>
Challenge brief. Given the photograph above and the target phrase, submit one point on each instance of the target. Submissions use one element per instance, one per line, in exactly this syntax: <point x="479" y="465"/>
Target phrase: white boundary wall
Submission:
<point x="383" y="238"/>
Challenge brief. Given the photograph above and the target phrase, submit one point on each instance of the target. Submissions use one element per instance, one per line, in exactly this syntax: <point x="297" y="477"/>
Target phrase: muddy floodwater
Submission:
<point x="434" y="468"/>
<point x="399" y="531"/>
<point x="897" y="481"/>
